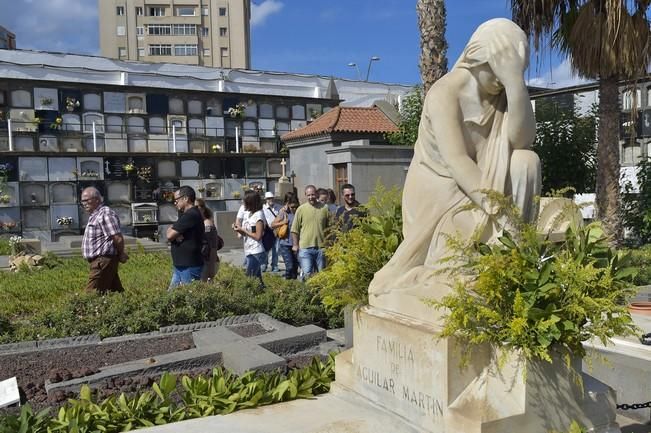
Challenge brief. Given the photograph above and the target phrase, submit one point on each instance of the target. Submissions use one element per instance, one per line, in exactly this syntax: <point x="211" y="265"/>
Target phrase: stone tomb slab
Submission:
<point x="216" y="343"/>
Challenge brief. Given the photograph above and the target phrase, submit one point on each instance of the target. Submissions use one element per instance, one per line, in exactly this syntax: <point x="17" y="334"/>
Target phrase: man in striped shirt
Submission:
<point x="103" y="244"/>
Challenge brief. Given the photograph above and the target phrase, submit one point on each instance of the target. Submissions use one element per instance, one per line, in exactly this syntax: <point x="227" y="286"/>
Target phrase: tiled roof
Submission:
<point x="346" y="119"/>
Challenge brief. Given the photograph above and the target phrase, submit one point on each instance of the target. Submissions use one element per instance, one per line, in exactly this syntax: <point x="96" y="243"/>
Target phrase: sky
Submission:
<point x="300" y="36"/>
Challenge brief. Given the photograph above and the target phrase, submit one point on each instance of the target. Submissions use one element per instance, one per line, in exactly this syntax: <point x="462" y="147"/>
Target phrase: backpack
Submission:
<point x="268" y="238"/>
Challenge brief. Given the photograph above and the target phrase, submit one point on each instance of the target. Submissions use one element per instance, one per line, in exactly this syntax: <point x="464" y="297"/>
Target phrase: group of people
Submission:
<point x="296" y="232"/>
<point x="193" y="238"/>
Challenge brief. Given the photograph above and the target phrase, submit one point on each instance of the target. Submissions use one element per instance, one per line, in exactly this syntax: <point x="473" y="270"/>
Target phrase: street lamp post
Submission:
<point x="370" y="62"/>
<point x="353" y="64"/>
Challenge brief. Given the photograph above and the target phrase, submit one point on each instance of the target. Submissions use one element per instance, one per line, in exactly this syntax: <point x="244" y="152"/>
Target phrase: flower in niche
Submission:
<point x="56" y="125"/>
<point x="71" y="103"/>
<point x="65" y="220"/>
<point x="237" y="112"/>
<point x="5" y="198"/>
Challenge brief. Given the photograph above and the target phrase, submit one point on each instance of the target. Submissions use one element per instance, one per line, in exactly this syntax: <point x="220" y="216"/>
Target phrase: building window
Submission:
<point x="185" y="50"/>
<point x="157" y="11"/>
<point x="160" y="50"/>
<point x="205" y="31"/>
<point x="204" y="11"/>
<point x="159" y="29"/>
<point x="222" y="31"/>
<point x="184" y="29"/>
<point x="139" y="11"/>
<point x="119" y="10"/>
<point x="140" y="31"/>
<point x="206" y="52"/>
<point x="141" y="52"/>
<point x="224" y="52"/>
<point x="222" y="12"/>
<point x="185" y="11"/>
<point x="121" y="31"/>
<point x="122" y="53"/>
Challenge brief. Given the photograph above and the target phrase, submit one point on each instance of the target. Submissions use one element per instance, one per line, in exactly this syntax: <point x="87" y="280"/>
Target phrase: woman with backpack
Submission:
<point x="210" y="243"/>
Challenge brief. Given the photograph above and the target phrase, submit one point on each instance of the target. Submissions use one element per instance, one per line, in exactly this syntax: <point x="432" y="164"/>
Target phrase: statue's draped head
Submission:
<point x="477" y="51"/>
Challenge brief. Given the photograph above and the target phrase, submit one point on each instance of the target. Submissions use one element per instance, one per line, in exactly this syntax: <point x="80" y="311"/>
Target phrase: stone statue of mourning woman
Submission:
<point x="474" y="135"/>
<point x="475" y="132"/>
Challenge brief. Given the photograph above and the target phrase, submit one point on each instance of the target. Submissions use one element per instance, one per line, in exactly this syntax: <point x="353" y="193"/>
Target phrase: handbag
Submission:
<point x="282" y="231"/>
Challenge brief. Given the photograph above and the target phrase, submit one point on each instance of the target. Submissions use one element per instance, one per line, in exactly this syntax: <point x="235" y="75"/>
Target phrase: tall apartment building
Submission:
<point x="194" y="32"/>
<point x="7" y="39"/>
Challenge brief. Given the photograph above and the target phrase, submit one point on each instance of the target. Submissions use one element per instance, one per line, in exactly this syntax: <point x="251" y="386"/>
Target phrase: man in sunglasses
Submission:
<point x="186" y="236"/>
<point x="347" y="214"/>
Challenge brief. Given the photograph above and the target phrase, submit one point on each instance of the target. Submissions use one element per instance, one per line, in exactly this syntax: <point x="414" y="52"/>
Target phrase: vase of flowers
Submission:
<point x="56" y="125"/>
<point x="65" y="221"/>
<point x="128" y="167"/>
<point x="5" y="198"/>
<point x="237" y="112"/>
<point x="71" y="103"/>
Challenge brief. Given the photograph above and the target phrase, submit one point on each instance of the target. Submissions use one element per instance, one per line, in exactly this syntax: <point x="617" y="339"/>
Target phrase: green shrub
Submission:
<point x="165" y="403"/>
<point x="5" y="248"/>
<point x="358" y="254"/>
<point x="636" y="206"/>
<point x="136" y="311"/>
<point x="641" y="260"/>
<point x="529" y="294"/>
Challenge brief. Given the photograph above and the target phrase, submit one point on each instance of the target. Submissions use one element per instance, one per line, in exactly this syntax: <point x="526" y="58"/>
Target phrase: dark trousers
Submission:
<point x="103" y="276"/>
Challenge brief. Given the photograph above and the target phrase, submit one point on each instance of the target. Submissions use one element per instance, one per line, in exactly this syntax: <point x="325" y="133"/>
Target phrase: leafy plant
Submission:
<point x="526" y="293"/>
<point x="565" y="142"/>
<point x="409" y="119"/>
<point x="636" y="205"/>
<point x="356" y="255"/>
<point x="222" y="393"/>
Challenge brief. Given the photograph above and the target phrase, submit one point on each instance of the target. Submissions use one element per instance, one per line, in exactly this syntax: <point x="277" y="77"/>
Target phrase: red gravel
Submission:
<point x="33" y="368"/>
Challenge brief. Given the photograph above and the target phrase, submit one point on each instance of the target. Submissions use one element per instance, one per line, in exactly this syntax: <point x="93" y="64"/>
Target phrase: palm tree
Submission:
<point x="606" y="40"/>
<point x="433" y="47"/>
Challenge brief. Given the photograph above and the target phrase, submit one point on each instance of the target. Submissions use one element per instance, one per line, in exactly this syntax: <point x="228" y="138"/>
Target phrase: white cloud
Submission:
<point x="260" y="12"/>
<point x="560" y="76"/>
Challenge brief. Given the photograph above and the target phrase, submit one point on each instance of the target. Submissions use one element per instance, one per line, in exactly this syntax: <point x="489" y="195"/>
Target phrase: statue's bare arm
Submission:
<point x="509" y="65"/>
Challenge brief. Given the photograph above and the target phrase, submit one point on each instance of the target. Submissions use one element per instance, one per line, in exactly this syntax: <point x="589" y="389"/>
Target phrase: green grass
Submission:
<point x="5" y="249"/>
<point x="24" y="293"/>
<point x="51" y="302"/>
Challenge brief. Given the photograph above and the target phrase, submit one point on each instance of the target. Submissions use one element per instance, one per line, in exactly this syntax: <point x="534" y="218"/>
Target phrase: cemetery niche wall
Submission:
<point x="136" y="146"/>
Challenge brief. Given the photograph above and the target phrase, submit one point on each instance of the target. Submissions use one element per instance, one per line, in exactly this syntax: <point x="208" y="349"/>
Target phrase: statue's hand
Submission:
<point x="507" y="62"/>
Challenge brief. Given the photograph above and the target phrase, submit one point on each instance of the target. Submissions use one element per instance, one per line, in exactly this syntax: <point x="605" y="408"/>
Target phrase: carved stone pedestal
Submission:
<point x="400" y="364"/>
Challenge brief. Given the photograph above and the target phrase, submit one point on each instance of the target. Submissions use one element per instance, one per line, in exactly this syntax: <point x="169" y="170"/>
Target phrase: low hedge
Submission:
<point x="231" y="293"/>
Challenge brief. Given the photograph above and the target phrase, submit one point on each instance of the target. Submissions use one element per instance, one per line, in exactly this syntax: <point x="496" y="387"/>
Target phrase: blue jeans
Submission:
<point x="291" y="264"/>
<point x="184" y="275"/>
<point x="254" y="265"/>
<point x="274" y="258"/>
<point x="312" y="260"/>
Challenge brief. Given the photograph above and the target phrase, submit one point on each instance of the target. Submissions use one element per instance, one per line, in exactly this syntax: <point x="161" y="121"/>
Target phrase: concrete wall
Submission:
<point x="310" y="165"/>
<point x="368" y="165"/>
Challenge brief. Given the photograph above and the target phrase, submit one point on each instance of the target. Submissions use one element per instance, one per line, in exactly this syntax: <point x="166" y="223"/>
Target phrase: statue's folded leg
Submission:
<point x="526" y="182"/>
